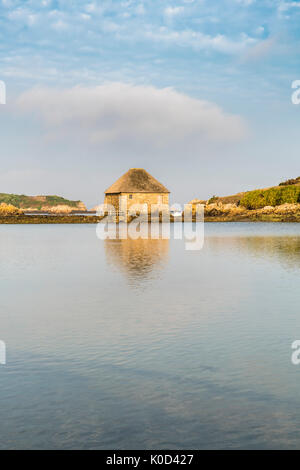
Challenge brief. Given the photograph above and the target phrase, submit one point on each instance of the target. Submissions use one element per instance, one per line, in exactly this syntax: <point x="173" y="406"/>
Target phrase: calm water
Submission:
<point x="123" y="344"/>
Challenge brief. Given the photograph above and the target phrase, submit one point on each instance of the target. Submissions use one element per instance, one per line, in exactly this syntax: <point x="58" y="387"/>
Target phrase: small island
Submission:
<point x="21" y="209"/>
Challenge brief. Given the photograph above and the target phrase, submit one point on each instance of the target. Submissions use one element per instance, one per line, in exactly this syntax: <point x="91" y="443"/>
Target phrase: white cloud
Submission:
<point x="284" y="6"/>
<point x="32" y="19"/>
<point x="60" y="25"/>
<point x="23" y="15"/>
<point x="260" y="30"/>
<point x="140" y="9"/>
<point x="200" y="41"/>
<point x="91" y="7"/>
<point x="7" y="3"/>
<point x="245" y="2"/>
<point x="85" y="17"/>
<point x="110" y="26"/>
<point x="171" y="11"/>
<point x="260" y="50"/>
<point x="118" y="113"/>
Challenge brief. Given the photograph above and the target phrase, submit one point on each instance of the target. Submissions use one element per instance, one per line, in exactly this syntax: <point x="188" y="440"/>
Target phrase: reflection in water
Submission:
<point x="137" y="258"/>
<point x="200" y="359"/>
<point x="286" y="250"/>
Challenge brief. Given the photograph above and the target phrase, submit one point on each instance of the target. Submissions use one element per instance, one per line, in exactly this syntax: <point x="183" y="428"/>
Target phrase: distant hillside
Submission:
<point x="44" y="203"/>
<point x="287" y="192"/>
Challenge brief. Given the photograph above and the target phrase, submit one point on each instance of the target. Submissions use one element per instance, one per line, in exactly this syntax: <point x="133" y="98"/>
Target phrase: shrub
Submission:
<point x="291" y="181"/>
<point x="8" y="209"/>
<point x="56" y="200"/>
<point x="271" y="197"/>
<point x="213" y="199"/>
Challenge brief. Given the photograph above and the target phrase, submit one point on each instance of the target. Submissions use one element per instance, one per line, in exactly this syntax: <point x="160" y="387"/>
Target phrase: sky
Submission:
<point x="198" y="92"/>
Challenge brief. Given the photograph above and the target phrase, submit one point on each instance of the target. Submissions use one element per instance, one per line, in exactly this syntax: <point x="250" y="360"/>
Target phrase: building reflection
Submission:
<point x="137" y="258"/>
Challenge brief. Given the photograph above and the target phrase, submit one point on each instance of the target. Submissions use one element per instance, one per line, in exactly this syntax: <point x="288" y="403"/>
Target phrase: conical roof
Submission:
<point x="136" y="180"/>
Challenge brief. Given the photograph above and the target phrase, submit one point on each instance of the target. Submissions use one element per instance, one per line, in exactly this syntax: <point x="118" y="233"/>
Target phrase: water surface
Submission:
<point x="126" y="344"/>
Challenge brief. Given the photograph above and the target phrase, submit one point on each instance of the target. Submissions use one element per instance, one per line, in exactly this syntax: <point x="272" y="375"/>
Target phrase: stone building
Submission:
<point x="136" y="186"/>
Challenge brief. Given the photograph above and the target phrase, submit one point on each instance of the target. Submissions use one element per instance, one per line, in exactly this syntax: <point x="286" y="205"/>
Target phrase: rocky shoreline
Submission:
<point x="49" y="219"/>
<point x="216" y="212"/>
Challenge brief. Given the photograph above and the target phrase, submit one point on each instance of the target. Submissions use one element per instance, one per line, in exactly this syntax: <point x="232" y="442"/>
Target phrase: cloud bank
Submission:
<point x="118" y="113"/>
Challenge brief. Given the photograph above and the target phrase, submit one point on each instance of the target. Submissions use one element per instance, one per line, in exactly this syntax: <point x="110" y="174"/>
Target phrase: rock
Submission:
<point x="60" y="209"/>
<point x="81" y="207"/>
<point x="287" y="209"/>
<point x="267" y="210"/>
<point x="197" y="201"/>
<point x="219" y="209"/>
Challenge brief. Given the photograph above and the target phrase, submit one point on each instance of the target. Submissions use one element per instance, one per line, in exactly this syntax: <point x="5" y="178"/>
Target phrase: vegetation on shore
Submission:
<point x="213" y="213"/>
<point x="8" y="209"/>
<point x="291" y="181"/>
<point x="276" y="204"/>
<point x="271" y="197"/>
<point x="287" y="192"/>
<point x="37" y="202"/>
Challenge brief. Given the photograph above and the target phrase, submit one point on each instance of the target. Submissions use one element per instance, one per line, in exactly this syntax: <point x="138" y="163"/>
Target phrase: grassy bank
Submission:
<point x="271" y="197"/>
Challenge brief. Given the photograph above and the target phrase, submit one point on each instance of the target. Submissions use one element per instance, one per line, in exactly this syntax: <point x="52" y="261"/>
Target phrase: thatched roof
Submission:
<point x="136" y="180"/>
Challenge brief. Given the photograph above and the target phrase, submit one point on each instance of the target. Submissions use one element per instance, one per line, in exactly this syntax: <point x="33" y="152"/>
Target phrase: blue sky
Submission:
<point x="198" y="92"/>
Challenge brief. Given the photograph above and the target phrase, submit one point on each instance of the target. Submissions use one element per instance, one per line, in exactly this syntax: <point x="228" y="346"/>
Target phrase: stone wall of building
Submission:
<point x="127" y="200"/>
<point x="113" y="200"/>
